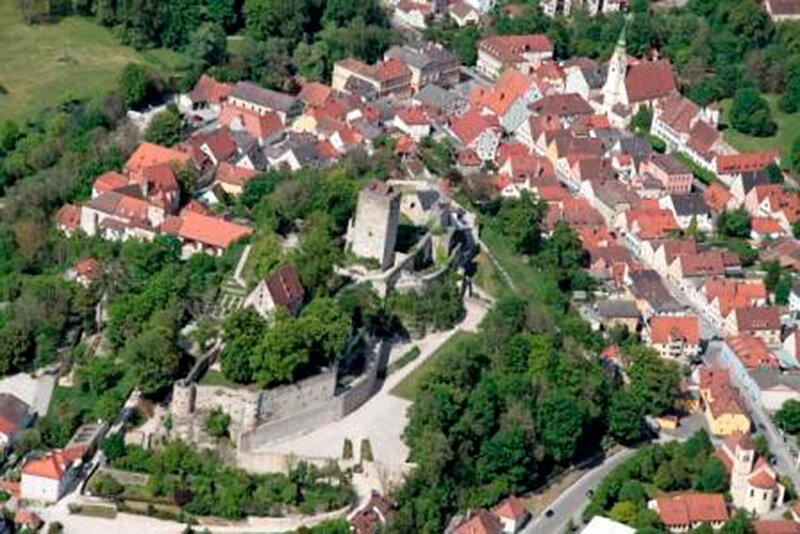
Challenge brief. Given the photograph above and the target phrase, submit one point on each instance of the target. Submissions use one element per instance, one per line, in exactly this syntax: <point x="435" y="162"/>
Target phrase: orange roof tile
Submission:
<point x="314" y="94"/>
<point x="687" y="509"/>
<point x="231" y="174"/>
<point x="717" y="197"/>
<point x="109" y="181"/>
<point x="52" y="466"/>
<point x="749" y="161"/>
<point x="667" y="328"/>
<point x="150" y="154"/>
<point x="207" y="230"/>
<point x="510" y="508"/>
<point x="752" y="352"/>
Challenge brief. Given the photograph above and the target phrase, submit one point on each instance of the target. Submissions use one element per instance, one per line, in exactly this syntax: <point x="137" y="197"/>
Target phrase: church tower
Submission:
<point x="743" y="460"/>
<point x="614" y="89"/>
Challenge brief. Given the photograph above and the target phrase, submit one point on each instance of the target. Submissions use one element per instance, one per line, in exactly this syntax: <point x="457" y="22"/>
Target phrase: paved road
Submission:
<point x="571" y="503"/>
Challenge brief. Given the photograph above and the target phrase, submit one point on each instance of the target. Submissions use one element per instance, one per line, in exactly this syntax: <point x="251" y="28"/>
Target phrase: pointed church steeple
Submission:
<point x="614" y="89"/>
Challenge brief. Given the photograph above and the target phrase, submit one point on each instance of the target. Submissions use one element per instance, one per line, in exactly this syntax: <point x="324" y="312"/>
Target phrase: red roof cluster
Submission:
<point x="667" y="328"/>
<point x="692" y="508"/>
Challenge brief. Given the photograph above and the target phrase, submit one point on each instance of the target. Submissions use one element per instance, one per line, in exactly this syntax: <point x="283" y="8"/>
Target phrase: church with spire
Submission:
<point x="632" y="83"/>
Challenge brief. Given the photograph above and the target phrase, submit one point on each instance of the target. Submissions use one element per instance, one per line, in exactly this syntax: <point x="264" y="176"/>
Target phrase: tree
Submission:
<point x="788" y="416"/>
<point x="241" y="332"/>
<point x="738" y="524"/>
<point x="750" y="114"/>
<point x="265" y="19"/>
<point x="734" y="223"/>
<point x="153" y="359"/>
<point x="520" y="220"/>
<point x="135" y="85"/>
<point x="775" y="173"/>
<point x="106" y="486"/>
<point x="625" y="422"/>
<point x="208" y="45"/>
<point x="217" y="423"/>
<point x="653" y="381"/>
<point x="166" y="127"/>
<point x="114" y="447"/>
<point x="713" y="477"/>
<point x="561" y="422"/>
<point x="624" y="512"/>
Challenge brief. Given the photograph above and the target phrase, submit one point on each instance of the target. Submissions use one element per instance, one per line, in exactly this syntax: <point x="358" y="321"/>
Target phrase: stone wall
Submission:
<point x="283" y="401"/>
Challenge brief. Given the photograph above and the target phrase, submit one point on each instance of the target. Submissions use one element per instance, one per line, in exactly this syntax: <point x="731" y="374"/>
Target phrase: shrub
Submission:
<point x="347" y="450"/>
<point x="366" y="451"/>
<point x="217" y="423"/>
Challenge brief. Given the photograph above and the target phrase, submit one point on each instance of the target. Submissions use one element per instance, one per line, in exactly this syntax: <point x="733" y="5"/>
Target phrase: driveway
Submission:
<point x="571" y="503"/>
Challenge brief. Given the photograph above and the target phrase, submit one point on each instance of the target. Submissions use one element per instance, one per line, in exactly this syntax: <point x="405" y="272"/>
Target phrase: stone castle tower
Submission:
<point x="373" y="230"/>
<point x="614" y="89"/>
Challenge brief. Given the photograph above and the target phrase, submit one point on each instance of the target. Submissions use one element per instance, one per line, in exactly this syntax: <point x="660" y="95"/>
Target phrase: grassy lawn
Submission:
<point x="788" y="130"/>
<point x="407" y="388"/>
<point x="216" y="378"/>
<point x="44" y="65"/>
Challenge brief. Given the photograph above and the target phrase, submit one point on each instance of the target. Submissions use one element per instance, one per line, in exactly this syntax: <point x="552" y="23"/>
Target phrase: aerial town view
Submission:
<point x="400" y="266"/>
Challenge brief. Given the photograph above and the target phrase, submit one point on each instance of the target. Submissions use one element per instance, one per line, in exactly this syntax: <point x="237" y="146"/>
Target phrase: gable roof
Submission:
<point x="483" y="522"/>
<point x="273" y="100"/>
<point x="53" y="466"/>
<point x="692" y="508"/>
<point x="749" y="319"/>
<point x="510" y="508"/>
<point x="648" y="80"/>
<point x="205" y="229"/>
<point x="748" y="161"/>
<point x="13" y="414"/>
<point x="209" y="90"/>
<point x="717" y="197"/>
<point x="284" y="286"/>
<point x="510" y="48"/>
<point x="687" y="204"/>
<point x="667" y="328"/>
<point x="150" y="154"/>
<point x="752" y="352"/>
<point x="314" y="94"/>
<point x="564" y="104"/>
<point x="469" y="126"/>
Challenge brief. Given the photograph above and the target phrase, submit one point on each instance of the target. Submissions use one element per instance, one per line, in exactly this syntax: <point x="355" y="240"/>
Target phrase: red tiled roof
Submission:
<point x="776" y="526"/>
<point x="702" y="264"/>
<point x="717" y="197"/>
<point x="688" y="509"/>
<point x="205" y="229"/>
<point x="509" y="48"/>
<point x="108" y="181"/>
<point x="562" y="105"/>
<point x="90" y="268"/>
<point x="749" y="161"/>
<point x="314" y="94"/>
<point x="210" y="90"/>
<point x="468" y="158"/>
<point x="412" y="115"/>
<point x="482" y="522"/>
<point x="667" y="328"/>
<point x="499" y="98"/>
<point x="648" y="80"/>
<point x="231" y="174"/>
<point x="469" y="126"/>
<point x="733" y="293"/>
<point x="762" y="479"/>
<point x="510" y="507"/>
<point x="251" y="121"/>
<point x="749" y="319"/>
<point x="52" y="466"/>
<point x="150" y="154"/>
<point x="765" y="225"/>
<point x="69" y="216"/>
<point x="652" y="224"/>
<point x="752" y="351"/>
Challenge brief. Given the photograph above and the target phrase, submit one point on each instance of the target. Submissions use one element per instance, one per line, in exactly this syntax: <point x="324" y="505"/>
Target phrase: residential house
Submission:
<point x="477" y="132"/>
<point x="754" y="484"/>
<point x="440" y="103"/>
<point x="744" y="182"/>
<point x="373" y="516"/>
<point x="603" y="525"/>
<point x="85" y="272"/>
<point x="512" y="514"/>
<point x="480" y="522"/>
<point x="281" y="289"/>
<point x="508" y="98"/>
<point x="498" y="52"/>
<point x="207" y="93"/>
<point x="645" y="223"/>
<point x="681" y="513"/>
<point x="717" y="197"/>
<point x="785" y="251"/>
<point x="775" y="526"/>
<point x="388" y="77"/>
<point x="265" y="128"/>
<point x="203" y="233"/>
<point x="429" y="63"/>
<point x="464" y="14"/>
<point x="688" y="129"/>
<point x="783" y="10"/>
<point x="794" y="298"/>
<point x="720" y="296"/>
<point x="764" y="323"/>
<point x="770" y="388"/>
<point x="249" y="96"/>
<point x="675" y="176"/>
<point x="766" y="229"/>
<point x="774" y="202"/>
<point x="619" y="313"/>
<point x="651" y="295"/>
<point x="315" y="94"/>
<point x="660" y="254"/>
<point x="723" y="409"/>
<point x="584" y="77"/>
<point x="413" y="121"/>
<point x="15" y="415"/>
<point x="674" y="337"/>
<point x="47" y="478"/>
<point x="232" y="179"/>
<point x="412" y="14"/>
<point x="744" y="355"/>
<point x="687" y="269"/>
<point x="730" y="167"/>
<point x="689" y="209"/>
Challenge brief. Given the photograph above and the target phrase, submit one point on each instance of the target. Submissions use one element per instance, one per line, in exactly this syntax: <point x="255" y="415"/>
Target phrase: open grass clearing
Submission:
<point x="46" y="64"/>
